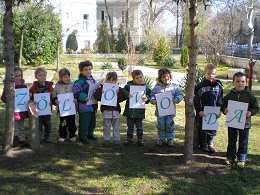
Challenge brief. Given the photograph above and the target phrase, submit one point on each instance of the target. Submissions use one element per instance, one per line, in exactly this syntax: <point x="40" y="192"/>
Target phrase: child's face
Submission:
<point x="111" y="81"/>
<point x="240" y="83"/>
<point x="17" y="75"/>
<point x="210" y="74"/>
<point x="86" y="71"/>
<point x="65" y="79"/>
<point x="41" y="76"/>
<point x="166" y="79"/>
<point x="139" y="79"/>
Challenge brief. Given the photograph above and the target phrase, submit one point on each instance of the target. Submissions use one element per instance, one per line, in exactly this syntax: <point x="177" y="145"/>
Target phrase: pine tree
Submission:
<point x="103" y="39"/>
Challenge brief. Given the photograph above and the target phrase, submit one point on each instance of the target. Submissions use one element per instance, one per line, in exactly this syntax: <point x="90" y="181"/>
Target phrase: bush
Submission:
<point x="199" y="78"/>
<point x="103" y="39"/>
<point x="161" y="51"/>
<point x="107" y="66"/>
<point x="72" y="43"/>
<point x="184" y="57"/>
<point x="141" y="61"/>
<point x="122" y="63"/>
<point x="149" y="82"/>
<point x="143" y="48"/>
<point x="169" y="62"/>
<point x="121" y="44"/>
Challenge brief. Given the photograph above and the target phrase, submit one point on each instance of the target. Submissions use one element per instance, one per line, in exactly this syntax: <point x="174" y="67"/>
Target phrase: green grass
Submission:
<point x="72" y="168"/>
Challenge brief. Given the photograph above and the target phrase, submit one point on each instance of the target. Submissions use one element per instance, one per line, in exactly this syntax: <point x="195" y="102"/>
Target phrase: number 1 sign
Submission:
<point x="109" y="94"/>
<point x="66" y="104"/>
<point x="136" y="94"/>
<point x="165" y="104"/>
<point x="43" y="105"/>
<point x="21" y="100"/>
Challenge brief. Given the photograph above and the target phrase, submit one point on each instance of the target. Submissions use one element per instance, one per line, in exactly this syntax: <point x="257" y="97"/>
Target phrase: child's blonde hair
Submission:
<point x="111" y="76"/>
<point x="38" y="70"/>
<point x="210" y="67"/>
<point x="63" y="72"/>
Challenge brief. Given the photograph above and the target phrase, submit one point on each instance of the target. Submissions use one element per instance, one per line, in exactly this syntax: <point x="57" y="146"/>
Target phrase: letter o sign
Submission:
<point x="109" y="94"/>
<point x="165" y="103"/>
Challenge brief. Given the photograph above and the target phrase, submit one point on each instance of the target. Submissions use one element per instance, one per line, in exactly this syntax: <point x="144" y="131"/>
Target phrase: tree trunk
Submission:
<point x="177" y="25"/>
<point x="111" y="27"/>
<point x="189" y="108"/>
<point x="9" y="74"/>
<point x="127" y="31"/>
<point x="250" y="20"/>
<point x="21" y="49"/>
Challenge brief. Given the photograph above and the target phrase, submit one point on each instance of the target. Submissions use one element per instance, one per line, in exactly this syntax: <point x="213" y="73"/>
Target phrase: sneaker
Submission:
<point x="128" y="142"/>
<point x="170" y="142"/>
<point x="73" y="139"/>
<point x="229" y="162"/>
<point x="212" y="149"/>
<point x="241" y="164"/>
<point x="140" y="143"/>
<point x="61" y="139"/>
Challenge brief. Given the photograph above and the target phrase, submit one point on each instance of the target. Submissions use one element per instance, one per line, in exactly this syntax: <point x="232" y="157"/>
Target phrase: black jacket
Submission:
<point x="208" y="93"/>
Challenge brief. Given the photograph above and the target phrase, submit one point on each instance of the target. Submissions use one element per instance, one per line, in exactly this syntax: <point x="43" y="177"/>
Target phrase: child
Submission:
<point x="83" y="90"/>
<point x="165" y="124"/>
<point x="135" y="116"/>
<point x="111" y="114"/>
<point x="19" y="133"/>
<point x="242" y="94"/>
<point x="209" y="92"/>
<point x="67" y="123"/>
<point x="42" y="86"/>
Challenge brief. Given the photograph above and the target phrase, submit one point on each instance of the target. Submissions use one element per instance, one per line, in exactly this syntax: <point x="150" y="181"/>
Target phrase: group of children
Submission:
<point x="87" y="92"/>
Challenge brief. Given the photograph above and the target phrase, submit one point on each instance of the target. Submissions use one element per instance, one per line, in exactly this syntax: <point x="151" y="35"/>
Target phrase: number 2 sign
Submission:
<point x="21" y="100"/>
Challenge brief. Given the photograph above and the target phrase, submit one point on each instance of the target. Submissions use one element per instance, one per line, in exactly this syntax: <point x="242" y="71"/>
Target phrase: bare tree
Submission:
<point x="110" y="25"/>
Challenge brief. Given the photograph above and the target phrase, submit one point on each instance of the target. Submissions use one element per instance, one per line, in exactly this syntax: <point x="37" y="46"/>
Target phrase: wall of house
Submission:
<point x="117" y="9"/>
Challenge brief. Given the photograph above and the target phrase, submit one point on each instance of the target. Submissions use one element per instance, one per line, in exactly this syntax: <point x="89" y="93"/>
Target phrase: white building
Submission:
<point x="84" y="17"/>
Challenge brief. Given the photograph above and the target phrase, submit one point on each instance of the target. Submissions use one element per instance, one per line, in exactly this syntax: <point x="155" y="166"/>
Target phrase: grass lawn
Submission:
<point x="72" y="168"/>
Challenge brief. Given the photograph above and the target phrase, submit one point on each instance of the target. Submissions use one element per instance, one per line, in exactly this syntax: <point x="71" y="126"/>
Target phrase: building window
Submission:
<point x="85" y="22"/>
<point x="123" y="16"/>
<point x="102" y="16"/>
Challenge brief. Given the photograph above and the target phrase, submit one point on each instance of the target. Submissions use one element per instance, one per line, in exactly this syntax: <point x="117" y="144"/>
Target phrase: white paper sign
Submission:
<point x="210" y="121"/>
<point x="236" y="116"/>
<point x="165" y="104"/>
<point x="109" y="94"/>
<point x="91" y="90"/>
<point x="42" y="102"/>
<point x="66" y="104"/>
<point x="21" y="100"/>
<point x="136" y="93"/>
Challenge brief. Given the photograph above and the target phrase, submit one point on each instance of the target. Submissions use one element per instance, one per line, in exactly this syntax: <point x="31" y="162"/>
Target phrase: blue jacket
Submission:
<point x="175" y="90"/>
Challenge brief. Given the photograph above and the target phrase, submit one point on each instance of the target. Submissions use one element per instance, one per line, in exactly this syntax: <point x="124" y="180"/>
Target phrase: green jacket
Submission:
<point x="135" y="113"/>
<point x="242" y="96"/>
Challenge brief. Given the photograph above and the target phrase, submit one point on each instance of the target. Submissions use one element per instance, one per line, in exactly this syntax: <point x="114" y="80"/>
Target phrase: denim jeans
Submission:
<point x="232" y="152"/>
<point x="166" y="128"/>
<point x="135" y="123"/>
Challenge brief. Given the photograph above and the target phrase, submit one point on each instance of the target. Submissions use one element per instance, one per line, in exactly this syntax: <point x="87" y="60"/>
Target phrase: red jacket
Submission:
<point x="37" y="88"/>
<point x="120" y="98"/>
<point x="17" y="115"/>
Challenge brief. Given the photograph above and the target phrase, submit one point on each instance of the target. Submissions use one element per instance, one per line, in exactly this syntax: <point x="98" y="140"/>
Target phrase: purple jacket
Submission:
<point x="83" y="90"/>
